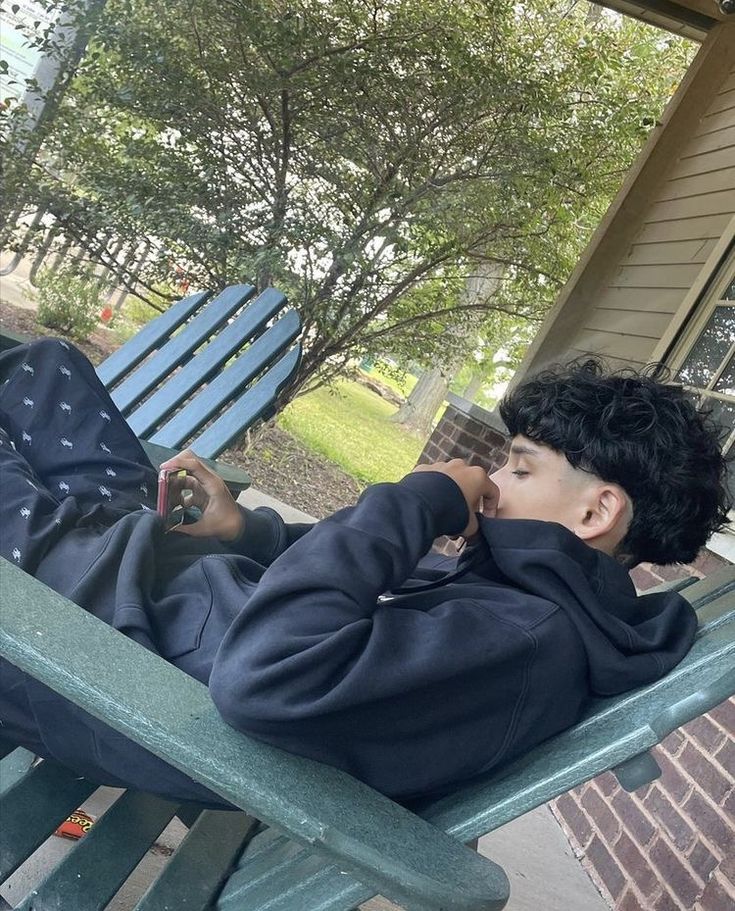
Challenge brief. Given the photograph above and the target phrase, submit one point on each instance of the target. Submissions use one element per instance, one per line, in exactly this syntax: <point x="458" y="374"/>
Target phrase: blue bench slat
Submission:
<point x="180" y="347"/>
<point x="195" y="874"/>
<point x="148" y="338"/>
<point x="200" y="369"/>
<point x="32" y="809"/>
<point x="230" y="383"/>
<point x="244" y="411"/>
<point x="93" y="871"/>
<point x="381" y="843"/>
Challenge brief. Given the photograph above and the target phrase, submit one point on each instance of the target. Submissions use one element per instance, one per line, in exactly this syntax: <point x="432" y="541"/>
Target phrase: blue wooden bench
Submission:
<point x="310" y="838"/>
<point x="203" y="372"/>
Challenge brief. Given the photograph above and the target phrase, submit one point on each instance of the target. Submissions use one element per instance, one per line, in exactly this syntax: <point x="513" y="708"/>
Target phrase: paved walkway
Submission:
<point x="16" y="288"/>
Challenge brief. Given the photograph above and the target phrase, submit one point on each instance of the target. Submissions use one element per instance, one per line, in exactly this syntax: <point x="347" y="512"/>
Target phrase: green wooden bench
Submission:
<point x="310" y="838"/>
<point x="203" y="372"/>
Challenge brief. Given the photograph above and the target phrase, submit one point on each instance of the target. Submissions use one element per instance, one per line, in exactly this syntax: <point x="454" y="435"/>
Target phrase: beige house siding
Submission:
<point x="679" y="232"/>
<point x="661" y="230"/>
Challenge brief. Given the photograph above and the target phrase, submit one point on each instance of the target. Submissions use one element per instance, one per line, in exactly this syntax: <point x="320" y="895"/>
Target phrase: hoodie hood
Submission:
<point x="630" y="639"/>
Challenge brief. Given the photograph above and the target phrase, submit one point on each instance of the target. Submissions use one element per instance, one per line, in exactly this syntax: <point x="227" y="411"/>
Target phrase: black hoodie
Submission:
<point x="412" y="692"/>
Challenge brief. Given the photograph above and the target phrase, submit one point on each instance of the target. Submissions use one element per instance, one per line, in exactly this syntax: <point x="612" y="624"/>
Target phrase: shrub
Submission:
<point x="136" y="312"/>
<point x="68" y="301"/>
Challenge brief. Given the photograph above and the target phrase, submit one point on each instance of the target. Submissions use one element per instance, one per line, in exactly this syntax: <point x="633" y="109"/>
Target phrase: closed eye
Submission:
<point x="519" y="473"/>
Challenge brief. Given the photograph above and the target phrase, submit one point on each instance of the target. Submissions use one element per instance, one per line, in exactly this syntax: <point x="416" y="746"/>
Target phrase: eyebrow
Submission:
<point x="520" y="449"/>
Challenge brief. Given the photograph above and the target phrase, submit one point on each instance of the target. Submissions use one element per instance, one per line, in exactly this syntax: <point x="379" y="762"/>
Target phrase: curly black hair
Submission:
<point x="636" y="430"/>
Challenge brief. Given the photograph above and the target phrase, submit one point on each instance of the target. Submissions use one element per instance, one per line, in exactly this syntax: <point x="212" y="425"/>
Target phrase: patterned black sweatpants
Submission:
<point x="68" y="458"/>
<point x="66" y="453"/>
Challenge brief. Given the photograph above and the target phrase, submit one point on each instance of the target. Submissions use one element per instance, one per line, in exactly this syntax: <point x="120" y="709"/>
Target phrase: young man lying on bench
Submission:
<point x="332" y="640"/>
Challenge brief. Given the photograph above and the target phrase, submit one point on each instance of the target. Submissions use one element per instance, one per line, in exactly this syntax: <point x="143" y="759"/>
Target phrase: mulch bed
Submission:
<point x="278" y="464"/>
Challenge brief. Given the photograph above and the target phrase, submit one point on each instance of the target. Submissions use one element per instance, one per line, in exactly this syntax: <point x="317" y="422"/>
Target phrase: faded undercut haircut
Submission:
<point x="636" y="430"/>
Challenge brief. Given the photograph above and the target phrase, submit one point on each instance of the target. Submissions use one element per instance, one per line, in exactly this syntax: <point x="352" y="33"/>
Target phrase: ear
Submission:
<point x="607" y="514"/>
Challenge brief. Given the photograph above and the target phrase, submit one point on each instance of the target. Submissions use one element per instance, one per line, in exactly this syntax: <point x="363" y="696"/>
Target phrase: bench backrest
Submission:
<point x="219" y="361"/>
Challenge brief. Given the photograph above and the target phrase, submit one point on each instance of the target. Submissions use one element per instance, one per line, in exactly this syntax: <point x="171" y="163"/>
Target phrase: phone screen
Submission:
<point x="171" y="484"/>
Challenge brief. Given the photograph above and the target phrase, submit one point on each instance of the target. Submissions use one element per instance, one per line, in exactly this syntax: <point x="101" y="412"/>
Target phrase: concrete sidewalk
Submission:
<point x="16" y="288"/>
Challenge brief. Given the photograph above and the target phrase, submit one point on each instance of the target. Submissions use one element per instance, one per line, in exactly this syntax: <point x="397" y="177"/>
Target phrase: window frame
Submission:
<point x="711" y="300"/>
<point x="722" y="543"/>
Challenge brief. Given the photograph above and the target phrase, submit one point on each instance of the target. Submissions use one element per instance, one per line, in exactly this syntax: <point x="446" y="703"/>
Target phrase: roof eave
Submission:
<point x="666" y="15"/>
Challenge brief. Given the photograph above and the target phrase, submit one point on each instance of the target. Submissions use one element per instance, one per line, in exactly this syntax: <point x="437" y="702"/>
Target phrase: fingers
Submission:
<point x="220" y="514"/>
<point x="480" y="493"/>
<point x="209" y="480"/>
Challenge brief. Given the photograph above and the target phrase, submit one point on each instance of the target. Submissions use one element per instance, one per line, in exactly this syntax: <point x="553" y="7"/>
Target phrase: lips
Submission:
<point x="490" y="512"/>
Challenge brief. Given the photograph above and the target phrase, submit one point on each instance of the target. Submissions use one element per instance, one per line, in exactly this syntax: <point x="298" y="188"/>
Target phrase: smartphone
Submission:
<point x="171" y="484"/>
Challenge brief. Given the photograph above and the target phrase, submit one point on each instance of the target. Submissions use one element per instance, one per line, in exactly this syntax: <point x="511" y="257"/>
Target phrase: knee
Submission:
<point x="44" y="351"/>
<point x="52" y="354"/>
<point x="54" y="347"/>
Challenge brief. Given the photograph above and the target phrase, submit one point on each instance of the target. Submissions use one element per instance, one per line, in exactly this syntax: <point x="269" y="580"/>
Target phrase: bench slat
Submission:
<point x="14" y="766"/>
<point x="381" y="843"/>
<point x="550" y="769"/>
<point x="180" y="347"/>
<point x="93" y="871"/>
<point x="148" y="338"/>
<point x="251" y="405"/>
<point x="200" y="369"/>
<point x="32" y="809"/>
<point x="201" y="864"/>
<point x="280" y="875"/>
<point x="230" y="383"/>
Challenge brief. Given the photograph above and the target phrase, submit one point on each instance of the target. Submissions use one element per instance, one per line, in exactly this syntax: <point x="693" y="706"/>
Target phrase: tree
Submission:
<point x="425" y="398"/>
<point x="363" y="155"/>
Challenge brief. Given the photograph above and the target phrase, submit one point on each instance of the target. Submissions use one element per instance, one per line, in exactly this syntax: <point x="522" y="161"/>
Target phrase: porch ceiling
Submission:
<point x="690" y="18"/>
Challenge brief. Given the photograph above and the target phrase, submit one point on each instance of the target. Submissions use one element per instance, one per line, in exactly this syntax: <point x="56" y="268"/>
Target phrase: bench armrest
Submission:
<point x="382" y="844"/>
<point x="236" y="479"/>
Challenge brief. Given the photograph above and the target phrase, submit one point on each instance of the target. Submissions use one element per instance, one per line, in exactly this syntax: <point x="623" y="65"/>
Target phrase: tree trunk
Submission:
<point x="430" y="391"/>
<point x="473" y="387"/>
<point x="417" y="412"/>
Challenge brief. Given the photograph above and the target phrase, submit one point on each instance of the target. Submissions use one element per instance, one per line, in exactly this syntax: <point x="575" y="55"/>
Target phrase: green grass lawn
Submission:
<point x="351" y="426"/>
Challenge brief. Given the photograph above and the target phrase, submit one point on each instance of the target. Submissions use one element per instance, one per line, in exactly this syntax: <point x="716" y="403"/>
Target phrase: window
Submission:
<point x="704" y="362"/>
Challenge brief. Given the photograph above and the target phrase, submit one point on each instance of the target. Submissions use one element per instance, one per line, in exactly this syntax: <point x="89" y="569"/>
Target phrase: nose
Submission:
<point x="497" y="478"/>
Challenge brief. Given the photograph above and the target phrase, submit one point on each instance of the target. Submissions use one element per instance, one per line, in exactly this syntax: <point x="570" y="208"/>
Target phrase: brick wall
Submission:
<point x="671" y="845"/>
<point x="466" y="435"/>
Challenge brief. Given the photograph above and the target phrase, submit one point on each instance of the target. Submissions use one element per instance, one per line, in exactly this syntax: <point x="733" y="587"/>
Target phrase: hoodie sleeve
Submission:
<point x="265" y="536"/>
<point x="316" y="664"/>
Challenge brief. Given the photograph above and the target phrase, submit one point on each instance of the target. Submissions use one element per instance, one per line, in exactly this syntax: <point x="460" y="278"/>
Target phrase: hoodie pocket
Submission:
<point x="178" y="617"/>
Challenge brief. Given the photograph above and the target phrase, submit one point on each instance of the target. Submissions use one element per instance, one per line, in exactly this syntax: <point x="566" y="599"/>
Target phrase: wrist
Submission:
<point x="234" y="526"/>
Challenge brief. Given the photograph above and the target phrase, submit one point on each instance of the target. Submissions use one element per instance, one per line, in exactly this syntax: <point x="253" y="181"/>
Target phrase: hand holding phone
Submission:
<point x="171" y="486"/>
<point x="220" y="517"/>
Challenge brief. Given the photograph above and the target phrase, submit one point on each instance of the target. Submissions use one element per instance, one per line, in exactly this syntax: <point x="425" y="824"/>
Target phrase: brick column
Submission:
<point x="671" y="845"/>
<point x="465" y="431"/>
<point x="469" y="432"/>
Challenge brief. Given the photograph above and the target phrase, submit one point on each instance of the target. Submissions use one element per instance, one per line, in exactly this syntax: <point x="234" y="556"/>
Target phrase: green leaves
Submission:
<point x="362" y="156"/>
